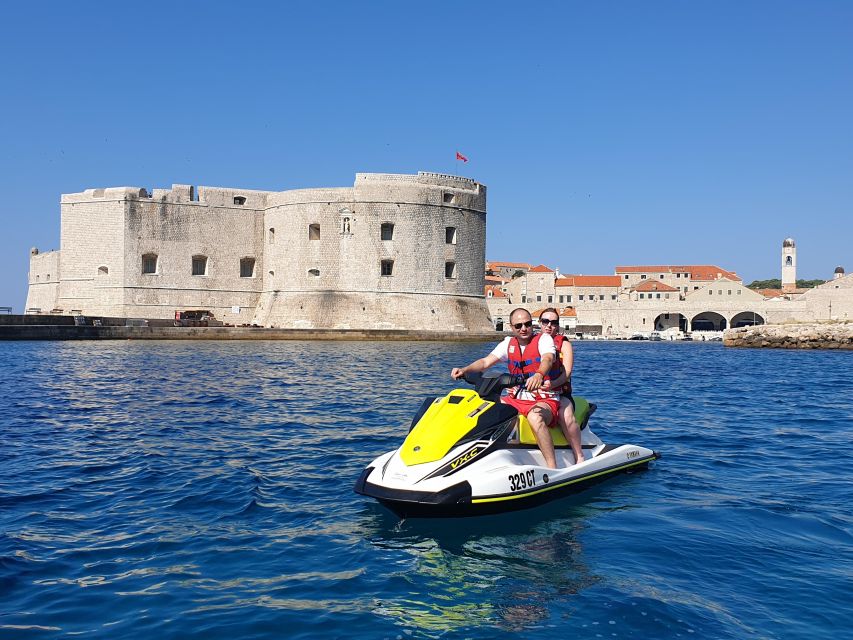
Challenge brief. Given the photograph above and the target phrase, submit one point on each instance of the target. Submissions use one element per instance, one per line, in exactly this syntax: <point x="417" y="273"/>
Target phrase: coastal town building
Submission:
<point x="390" y="252"/>
<point x="671" y="298"/>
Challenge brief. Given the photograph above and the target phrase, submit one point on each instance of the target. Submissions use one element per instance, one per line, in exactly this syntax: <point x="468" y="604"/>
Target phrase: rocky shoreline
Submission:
<point x="828" y="335"/>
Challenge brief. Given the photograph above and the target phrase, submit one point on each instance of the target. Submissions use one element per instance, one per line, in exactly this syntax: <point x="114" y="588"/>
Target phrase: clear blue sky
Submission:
<point x="622" y="132"/>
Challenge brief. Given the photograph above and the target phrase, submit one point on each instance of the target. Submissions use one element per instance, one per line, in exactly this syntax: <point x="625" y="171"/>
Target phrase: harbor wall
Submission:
<point x="828" y="335"/>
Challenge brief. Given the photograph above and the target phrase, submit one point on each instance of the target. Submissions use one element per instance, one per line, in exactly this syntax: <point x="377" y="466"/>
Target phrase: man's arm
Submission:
<point x="568" y="357"/>
<point x="478" y="365"/>
<point x="535" y="381"/>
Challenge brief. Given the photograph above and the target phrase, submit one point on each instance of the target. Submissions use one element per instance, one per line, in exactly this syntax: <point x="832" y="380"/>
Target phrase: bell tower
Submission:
<point x="789" y="266"/>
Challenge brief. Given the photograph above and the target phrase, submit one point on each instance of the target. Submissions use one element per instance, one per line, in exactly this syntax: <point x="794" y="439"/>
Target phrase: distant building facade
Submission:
<point x="391" y="252"/>
<point x="670" y="298"/>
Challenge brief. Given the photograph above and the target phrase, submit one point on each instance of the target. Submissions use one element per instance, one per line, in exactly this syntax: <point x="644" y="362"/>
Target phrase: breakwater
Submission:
<point x="829" y="335"/>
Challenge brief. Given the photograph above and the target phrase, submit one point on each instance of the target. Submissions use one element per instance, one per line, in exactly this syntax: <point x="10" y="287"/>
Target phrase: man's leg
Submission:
<point x="570" y="428"/>
<point x="539" y="418"/>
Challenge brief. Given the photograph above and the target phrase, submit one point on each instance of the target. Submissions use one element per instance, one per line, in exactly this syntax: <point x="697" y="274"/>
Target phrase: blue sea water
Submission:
<point x="204" y="489"/>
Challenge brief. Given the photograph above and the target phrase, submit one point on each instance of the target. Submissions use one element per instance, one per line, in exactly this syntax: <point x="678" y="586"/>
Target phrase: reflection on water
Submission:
<point x="205" y="490"/>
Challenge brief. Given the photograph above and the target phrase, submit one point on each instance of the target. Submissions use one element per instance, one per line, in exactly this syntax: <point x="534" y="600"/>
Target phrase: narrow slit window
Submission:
<point x="314" y="231"/>
<point x="272" y="235"/>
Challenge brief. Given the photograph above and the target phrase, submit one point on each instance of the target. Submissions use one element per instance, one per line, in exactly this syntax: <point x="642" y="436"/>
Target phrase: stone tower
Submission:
<point x="789" y="265"/>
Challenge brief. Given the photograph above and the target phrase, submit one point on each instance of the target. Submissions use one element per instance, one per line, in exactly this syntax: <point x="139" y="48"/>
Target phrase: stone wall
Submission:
<point x="43" y="290"/>
<point x="318" y="254"/>
<point x="829" y="335"/>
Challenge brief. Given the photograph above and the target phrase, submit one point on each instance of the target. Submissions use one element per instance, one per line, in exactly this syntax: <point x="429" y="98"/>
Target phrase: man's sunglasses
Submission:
<point x="546" y="321"/>
<point x="527" y="324"/>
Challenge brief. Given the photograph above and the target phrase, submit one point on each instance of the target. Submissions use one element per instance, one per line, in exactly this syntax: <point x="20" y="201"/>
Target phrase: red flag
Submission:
<point x="459" y="156"/>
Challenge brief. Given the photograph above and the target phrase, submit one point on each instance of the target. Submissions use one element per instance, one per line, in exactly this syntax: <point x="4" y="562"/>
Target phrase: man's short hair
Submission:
<point x="516" y="310"/>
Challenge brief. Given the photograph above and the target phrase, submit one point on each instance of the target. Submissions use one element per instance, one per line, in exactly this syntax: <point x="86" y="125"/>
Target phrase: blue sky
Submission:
<point x="616" y="132"/>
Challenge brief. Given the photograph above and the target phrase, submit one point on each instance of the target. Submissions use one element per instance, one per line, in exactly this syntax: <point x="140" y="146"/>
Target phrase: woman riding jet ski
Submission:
<point x="468" y="454"/>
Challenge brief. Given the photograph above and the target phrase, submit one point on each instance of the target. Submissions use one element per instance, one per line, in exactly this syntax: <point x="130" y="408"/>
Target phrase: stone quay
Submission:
<point x="823" y="335"/>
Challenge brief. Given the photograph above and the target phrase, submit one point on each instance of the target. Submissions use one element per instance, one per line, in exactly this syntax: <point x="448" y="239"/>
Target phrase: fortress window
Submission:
<point x="103" y="270"/>
<point x="386" y="231"/>
<point x="47" y="277"/>
<point x="314" y="231"/>
<point x="149" y="263"/>
<point x="240" y="200"/>
<point x="345" y="224"/>
<point x="450" y="269"/>
<point x="314" y="272"/>
<point x="387" y="267"/>
<point x="199" y="265"/>
<point x="449" y="235"/>
<point x="272" y="273"/>
<point x="449" y="198"/>
<point x="247" y="267"/>
<point x="272" y="235"/>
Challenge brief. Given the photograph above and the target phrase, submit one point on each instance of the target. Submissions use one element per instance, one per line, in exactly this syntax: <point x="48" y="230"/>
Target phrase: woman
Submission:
<point x="561" y="377"/>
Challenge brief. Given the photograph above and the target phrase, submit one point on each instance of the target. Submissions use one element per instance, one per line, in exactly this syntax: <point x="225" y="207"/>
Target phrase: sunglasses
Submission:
<point x="545" y="321"/>
<point x="527" y="324"/>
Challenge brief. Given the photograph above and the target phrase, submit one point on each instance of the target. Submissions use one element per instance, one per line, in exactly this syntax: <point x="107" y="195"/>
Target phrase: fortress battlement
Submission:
<point x="391" y="251"/>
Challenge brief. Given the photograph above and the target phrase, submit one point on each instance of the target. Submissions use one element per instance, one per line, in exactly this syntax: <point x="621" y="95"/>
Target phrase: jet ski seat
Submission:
<point x="583" y="410"/>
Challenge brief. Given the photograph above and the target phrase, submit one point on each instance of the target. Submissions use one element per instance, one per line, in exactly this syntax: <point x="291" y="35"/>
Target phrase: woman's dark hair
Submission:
<point x="552" y="310"/>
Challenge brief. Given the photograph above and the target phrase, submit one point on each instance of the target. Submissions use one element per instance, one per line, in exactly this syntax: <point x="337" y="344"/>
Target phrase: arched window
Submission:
<point x="199" y="265"/>
<point x="103" y="270"/>
<point x="149" y="263"/>
<point x="345" y="225"/>
<point x="789" y="261"/>
<point x="386" y="231"/>
<point x="247" y="267"/>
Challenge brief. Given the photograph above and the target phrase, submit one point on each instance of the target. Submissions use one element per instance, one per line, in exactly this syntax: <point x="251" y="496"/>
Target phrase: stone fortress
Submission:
<point x="669" y="299"/>
<point x="391" y="252"/>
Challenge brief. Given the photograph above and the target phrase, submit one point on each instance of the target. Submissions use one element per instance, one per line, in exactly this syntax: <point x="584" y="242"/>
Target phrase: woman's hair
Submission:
<point x="552" y="310"/>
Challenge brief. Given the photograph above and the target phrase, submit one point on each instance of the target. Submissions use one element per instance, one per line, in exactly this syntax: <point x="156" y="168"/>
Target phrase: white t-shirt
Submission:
<point x="546" y="345"/>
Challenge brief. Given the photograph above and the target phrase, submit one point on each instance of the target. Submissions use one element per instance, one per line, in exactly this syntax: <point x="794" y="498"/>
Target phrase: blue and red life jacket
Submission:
<point x="528" y="364"/>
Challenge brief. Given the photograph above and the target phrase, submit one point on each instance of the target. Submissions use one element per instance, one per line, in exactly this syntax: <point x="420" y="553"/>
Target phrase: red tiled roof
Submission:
<point x="588" y="281"/>
<point x="654" y="285"/>
<point x="569" y="312"/>
<point x="696" y="271"/>
<point x="496" y="291"/>
<point x="541" y="269"/>
<point x="769" y="293"/>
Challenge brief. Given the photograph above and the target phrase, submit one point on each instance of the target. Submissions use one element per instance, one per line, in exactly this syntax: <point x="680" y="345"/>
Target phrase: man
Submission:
<point x="532" y="355"/>
<point x="561" y="380"/>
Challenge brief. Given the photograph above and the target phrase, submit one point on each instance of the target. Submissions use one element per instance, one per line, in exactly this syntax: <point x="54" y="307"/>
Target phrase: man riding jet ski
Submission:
<point x="470" y="454"/>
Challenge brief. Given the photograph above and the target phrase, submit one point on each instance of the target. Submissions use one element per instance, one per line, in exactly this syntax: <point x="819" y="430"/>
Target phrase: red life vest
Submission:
<point x="558" y="369"/>
<point x="528" y="364"/>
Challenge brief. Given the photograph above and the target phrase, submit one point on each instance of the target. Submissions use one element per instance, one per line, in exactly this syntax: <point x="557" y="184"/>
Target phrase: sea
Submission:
<point x="205" y="490"/>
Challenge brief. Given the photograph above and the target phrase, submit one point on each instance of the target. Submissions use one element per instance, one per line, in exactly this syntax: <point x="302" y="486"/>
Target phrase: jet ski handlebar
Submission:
<point x="488" y="385"/>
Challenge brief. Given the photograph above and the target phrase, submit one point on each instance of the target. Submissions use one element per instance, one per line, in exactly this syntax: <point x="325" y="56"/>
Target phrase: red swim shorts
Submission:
<point x="524" y="406"/>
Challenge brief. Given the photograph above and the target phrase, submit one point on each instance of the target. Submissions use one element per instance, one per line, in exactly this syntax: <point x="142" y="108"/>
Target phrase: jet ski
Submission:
<point x="468" y="454"/>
